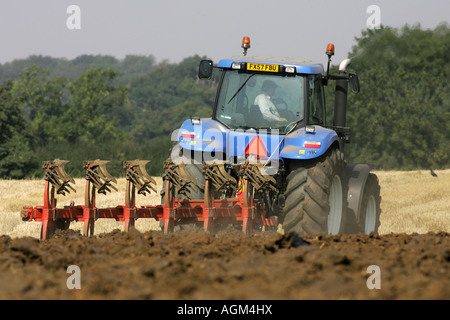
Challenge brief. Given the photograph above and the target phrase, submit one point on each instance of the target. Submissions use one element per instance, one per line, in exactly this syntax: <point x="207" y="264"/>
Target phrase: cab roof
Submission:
<point x="302" y="66"/>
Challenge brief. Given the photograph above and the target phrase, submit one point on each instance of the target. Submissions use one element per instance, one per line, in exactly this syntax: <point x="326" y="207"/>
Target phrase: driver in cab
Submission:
<point x="265" y="104"/>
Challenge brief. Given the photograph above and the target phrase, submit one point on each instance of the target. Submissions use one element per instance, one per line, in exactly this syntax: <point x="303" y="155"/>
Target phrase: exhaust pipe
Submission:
<point x="344" y="64"/>
<point x="340" y="98"/>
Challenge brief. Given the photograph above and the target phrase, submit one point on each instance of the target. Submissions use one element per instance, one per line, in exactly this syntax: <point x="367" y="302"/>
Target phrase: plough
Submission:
<point x="175" y="210"/>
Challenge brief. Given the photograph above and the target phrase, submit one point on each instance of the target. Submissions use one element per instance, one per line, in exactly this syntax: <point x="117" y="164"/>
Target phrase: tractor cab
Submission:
<point x="268" y="93"/>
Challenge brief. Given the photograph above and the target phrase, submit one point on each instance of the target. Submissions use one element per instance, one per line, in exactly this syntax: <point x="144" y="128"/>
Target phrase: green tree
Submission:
<point x="133" y="65"/>
<point x="400" y="119"/>
<point x="92" y="98"/>
<point x="42" y="102"/>
<point x="166" y="96"/>
<point x="16" y="158"/>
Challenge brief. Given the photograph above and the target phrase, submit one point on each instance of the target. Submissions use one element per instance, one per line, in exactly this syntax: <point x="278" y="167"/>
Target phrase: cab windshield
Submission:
<point x="260" y="101"/>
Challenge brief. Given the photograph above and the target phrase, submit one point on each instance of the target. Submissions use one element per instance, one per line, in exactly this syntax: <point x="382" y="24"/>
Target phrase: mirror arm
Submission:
<point x="338" y="76"/>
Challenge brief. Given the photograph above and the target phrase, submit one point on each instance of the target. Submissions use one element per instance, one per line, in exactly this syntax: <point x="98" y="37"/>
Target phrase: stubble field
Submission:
<point x="412" y="252"/>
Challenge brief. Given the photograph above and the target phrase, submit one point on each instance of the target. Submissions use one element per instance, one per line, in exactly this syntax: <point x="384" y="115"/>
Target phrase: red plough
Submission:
<point x="175" y="211"/>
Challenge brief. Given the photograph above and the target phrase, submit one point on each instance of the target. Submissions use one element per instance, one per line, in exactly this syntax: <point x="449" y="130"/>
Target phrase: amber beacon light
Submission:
<point x="245" y="44"/>
<point x="330" y="49"/>
<point x="329" y="53"/>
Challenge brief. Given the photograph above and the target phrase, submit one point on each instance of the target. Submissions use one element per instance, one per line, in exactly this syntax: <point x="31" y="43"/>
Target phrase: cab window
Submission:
<point x="316" y="101"/>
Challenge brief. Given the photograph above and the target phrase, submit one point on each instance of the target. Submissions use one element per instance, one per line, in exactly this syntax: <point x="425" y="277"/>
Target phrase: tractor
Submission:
<point x="269" y="118"/>
<point x="265" y="160"/>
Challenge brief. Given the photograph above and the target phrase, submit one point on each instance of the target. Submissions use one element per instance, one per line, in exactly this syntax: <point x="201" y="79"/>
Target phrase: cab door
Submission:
<point x="316" y="101"/>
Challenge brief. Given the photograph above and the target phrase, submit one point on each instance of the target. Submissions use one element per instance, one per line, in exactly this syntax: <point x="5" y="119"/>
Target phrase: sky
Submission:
<point x="175" y="29"/>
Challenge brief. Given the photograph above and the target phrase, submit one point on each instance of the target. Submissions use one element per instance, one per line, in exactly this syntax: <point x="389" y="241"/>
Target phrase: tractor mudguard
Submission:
<point x="357" y="174"/>
<point x="208" y="135"/>
<point x="301" y="144"/>
<point x="202" y="134"/>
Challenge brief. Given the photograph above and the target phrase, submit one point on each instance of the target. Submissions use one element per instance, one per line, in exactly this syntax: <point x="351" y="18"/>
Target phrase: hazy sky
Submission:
<point x="175" y="29"/>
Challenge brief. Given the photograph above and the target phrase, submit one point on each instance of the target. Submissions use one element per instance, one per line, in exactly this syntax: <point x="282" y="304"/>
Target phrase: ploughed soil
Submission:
<point x="226" y="266"/>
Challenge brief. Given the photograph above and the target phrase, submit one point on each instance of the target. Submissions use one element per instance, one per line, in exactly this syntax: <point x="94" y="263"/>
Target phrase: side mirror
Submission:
<point x="205" y="69"/>
<point x="354" y="82"/>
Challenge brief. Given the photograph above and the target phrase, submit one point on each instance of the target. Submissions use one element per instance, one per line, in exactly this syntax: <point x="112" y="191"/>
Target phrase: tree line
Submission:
<point x="401" y="118"/>
<point x="101" y="113"/>
<point x="101" y="107"/>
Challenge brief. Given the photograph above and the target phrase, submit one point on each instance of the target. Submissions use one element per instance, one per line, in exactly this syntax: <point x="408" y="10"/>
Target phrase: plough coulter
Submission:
<point x="209" y="212"/>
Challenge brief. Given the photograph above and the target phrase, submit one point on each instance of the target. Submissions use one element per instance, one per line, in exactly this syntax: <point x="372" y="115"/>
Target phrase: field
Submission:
<point x="412" y="252"/>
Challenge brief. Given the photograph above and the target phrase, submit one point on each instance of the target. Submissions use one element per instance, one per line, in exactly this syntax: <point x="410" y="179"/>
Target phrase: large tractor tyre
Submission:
<point x="316" y="196"/>
<point x="195" y="171"/>
<point x="370" y="206"/>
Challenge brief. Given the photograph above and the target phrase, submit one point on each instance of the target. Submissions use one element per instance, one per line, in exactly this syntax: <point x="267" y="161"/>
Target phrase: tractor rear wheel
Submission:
<point x="370" y="206"/>
<point x="194" y="170"/>
<point x="316" y="195"/>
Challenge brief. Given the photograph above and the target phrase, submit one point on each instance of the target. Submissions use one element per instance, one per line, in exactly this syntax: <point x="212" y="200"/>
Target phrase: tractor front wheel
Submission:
<point x="370" y="206"/>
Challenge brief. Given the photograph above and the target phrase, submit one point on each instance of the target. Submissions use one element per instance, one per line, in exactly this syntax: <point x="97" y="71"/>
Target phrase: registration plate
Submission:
<point x="262" y="67"/>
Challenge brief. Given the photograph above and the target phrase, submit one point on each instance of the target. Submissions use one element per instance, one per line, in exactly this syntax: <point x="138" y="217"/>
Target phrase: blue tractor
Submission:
<point x="268" y="130"/>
